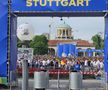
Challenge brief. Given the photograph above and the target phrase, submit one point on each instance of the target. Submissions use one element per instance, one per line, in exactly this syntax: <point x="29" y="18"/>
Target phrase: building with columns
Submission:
<point x="64" y="31"/>
<point x="64" y="35"/>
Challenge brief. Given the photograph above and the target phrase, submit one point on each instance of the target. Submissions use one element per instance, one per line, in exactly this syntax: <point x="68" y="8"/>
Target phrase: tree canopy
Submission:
<point x="40" y="45"/>
<point x="98" y="41"/>
<point x="19" y="44"/>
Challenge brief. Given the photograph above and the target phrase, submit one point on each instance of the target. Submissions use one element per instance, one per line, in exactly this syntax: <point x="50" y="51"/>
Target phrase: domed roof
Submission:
<point x="64" y="25"/>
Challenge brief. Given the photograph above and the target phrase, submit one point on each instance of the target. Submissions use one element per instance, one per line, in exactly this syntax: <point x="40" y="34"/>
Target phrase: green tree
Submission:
<point x="19" y="44"/>
<point x="40" y="45"/>
<point x="102" y="44"/>
<point x="72" y="38"/>
<point x="98" y="41"/>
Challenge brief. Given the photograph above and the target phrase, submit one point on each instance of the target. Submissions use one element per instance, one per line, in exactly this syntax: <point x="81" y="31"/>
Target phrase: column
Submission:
<point x="57" y="34"/>
<point x="93" y="54"/>
<point x="84" y="54"/>
<point x="61" y="33"/>
<point x="65" y="34"/>
<point x="69" y="33"/>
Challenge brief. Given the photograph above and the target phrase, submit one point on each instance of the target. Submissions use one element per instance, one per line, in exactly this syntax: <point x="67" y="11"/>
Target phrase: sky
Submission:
<point x="82" y="27"/>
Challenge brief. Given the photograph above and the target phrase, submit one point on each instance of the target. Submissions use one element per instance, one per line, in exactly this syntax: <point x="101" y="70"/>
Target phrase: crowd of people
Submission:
<point x="67" y="63"/>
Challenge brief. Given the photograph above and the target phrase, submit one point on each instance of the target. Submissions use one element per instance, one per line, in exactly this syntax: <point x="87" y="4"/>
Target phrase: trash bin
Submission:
<point x="75" y="80"/>
<point x="41" y="80"/>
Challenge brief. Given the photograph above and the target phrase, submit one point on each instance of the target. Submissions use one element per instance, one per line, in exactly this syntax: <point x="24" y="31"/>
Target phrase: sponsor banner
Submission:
<point x="25" y="53"/>
<point x="58" y="5"/>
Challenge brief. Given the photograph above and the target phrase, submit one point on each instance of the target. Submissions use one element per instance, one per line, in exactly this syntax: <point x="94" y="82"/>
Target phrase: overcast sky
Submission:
<point x="82" y="27"/>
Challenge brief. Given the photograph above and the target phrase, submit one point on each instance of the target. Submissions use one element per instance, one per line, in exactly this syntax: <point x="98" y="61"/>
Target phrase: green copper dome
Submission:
<point x="64" y="25"/>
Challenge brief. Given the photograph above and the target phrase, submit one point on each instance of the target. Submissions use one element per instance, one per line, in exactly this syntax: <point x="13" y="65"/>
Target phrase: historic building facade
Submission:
<point x="64" y="35"/>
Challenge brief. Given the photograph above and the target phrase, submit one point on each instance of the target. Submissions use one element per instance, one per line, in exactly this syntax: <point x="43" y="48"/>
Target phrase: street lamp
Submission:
<point x="50" y="26"/>
<point x="25" y="33"/>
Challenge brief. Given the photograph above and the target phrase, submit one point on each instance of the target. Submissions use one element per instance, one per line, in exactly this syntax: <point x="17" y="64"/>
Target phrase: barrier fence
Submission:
<point x="55" y="71"/>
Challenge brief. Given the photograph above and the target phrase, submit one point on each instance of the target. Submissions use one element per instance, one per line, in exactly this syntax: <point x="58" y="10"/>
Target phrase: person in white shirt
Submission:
<point x="101" y="64"/>
<point x="43" y="63"/>
<point x="48" y="62"/>
<point x="86" y="63"/>
<point x="98" y="64"/>
<point x="91" y="63"/>
<point x="94" y="63"/>
<point x="19" y="63"/>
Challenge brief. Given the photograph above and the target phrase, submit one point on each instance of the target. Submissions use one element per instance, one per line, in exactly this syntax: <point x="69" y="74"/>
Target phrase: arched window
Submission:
<point x="80" y="54"/>
<point x="87" y="52"/>
<point x="51" y="51"/>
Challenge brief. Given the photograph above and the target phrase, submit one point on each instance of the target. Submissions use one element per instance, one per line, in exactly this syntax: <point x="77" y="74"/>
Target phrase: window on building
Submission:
<point x="80" y="54"/>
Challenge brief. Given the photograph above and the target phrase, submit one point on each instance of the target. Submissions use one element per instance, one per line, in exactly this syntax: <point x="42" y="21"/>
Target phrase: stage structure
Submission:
<point x="66" y="49"/>
<point x="91" y="51"/>
<point x="11" y="9"/>
<point x="71" y="50"/>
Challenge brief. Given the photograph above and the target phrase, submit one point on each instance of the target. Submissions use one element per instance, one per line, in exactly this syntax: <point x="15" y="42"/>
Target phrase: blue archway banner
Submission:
<point x="58" y="5"/>
<point x="59" y="50"/>
<point x="72" y="49"/>
<point x="3" y="37"/>
<point x="67" y="49"/>
<point x="106" y="45"/>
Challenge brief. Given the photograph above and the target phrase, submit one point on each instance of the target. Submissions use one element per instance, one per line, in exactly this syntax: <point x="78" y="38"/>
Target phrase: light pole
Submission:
<point x="25" y="33"/>
<point x="50" y="30"/>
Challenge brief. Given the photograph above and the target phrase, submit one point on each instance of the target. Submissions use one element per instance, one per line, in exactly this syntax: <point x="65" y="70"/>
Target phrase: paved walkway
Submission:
<point x="64" y="85"/>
